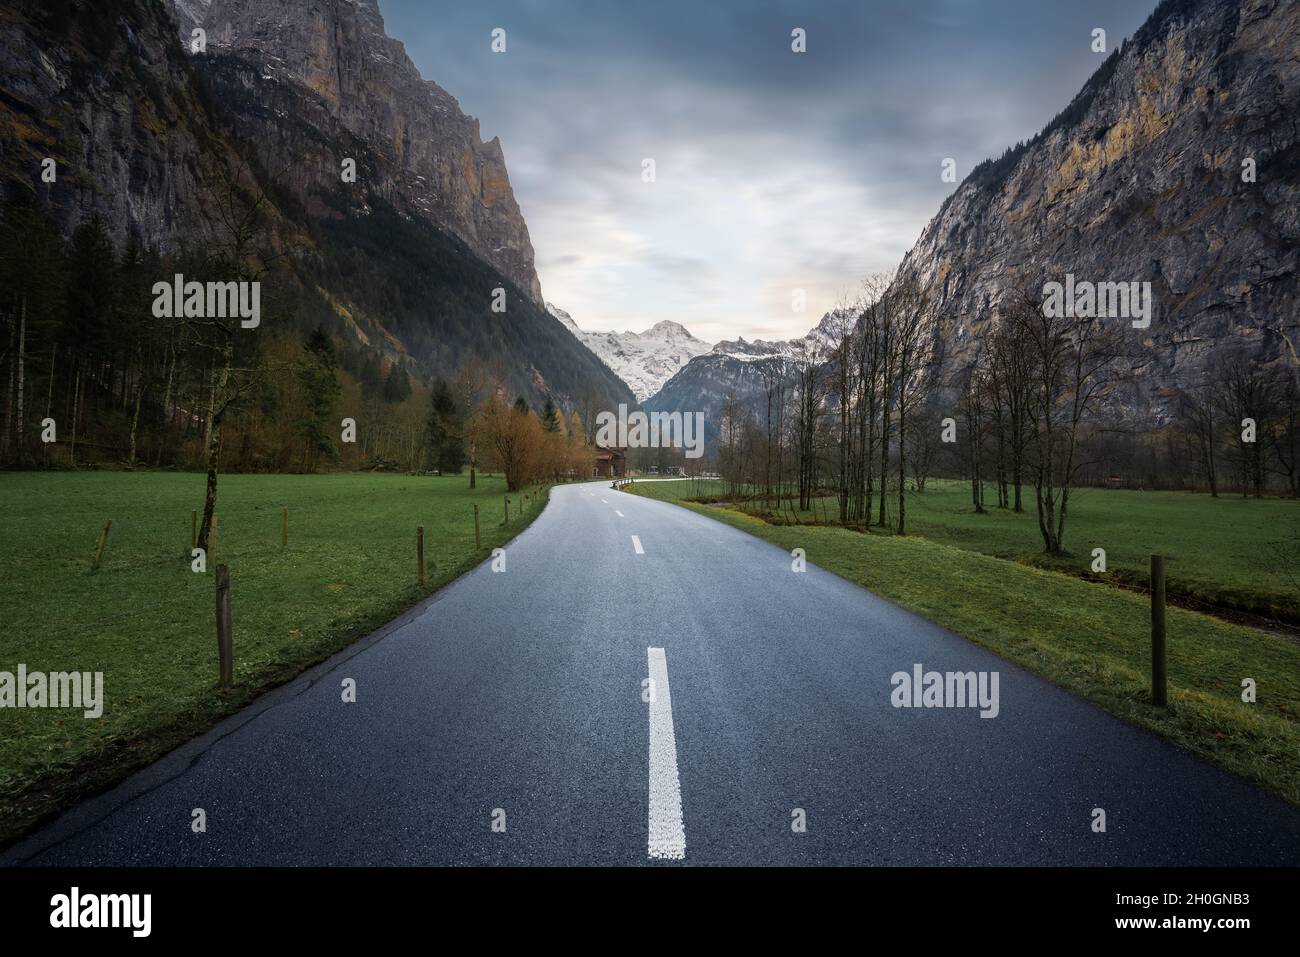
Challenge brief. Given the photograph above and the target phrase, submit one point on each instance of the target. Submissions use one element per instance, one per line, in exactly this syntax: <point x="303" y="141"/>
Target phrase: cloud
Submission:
<point x="775" y="170"/>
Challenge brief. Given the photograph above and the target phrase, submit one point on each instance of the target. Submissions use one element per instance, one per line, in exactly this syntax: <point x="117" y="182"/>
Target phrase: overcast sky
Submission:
<point x="774" y="170"/>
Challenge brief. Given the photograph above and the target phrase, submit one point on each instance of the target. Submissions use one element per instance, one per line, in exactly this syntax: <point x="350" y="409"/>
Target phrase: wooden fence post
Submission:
<point x="103" y="540"/>
<point x="225" y="641"/>
<point x="1159" y="669"/>
<point x="419" y="550"/>
<point x="478" y="539"/>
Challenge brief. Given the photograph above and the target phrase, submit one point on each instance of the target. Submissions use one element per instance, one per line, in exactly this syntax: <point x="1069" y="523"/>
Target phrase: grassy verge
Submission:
<point x="145" y="619"/>
<point x="1231" y="552"/>
<point x="1091" y="640"/>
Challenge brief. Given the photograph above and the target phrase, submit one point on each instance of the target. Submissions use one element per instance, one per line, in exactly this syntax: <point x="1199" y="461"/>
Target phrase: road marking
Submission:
<point x="667" y="833"/>
<point x="603" y="500"/>
<point x="618" y="513"/>
<point x="636" y="544"/>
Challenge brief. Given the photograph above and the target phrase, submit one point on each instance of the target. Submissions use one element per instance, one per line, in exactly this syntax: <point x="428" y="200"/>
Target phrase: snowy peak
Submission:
<point x="667" y="329"/>
<point x="644" y="360"/>
<point x="565" y="319"/>
<point x="822" y="336"/>
<point x="647" y="360"/>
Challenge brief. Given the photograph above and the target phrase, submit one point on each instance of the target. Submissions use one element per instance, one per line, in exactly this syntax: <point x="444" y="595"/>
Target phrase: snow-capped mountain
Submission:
<point x="821" y="336"/>
<point x="644" y="360"/>
<point x="741" y="369"/>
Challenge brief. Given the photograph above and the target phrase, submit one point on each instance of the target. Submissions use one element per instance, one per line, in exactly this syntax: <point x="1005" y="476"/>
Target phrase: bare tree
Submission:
<point x="873" y="338"/>
<point x="808" y="360"/>
<point x="772" y="372"/>
<point x="888" y="344"/>
<point x="1076" y="363"/>
<point x="844" y="369"/>
<point x="472" y="380"/>
<point x="913" y="345"/>
<point x="1284" y="435"/>
<point x="974" y="393"/>
<point x="1246" y="394"/>
<point x="241" y="211"/>
<point x="1198" y="414"/>
<point x="731" y="437"/>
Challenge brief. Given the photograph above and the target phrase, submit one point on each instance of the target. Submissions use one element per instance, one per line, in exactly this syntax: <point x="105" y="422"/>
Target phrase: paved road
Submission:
<point x="523" y="691"/>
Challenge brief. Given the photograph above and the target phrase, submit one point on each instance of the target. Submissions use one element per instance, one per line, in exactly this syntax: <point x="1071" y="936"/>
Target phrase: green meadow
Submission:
<point x="146" y="620"/>
<point x="1239" y="553"/>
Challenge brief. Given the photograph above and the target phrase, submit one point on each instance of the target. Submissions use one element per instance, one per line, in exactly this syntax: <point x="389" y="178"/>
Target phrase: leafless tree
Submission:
<point x="807" y="360"/>
<point x="1246" y="394"/>
<point x="242" y="211"/>
<point x="1199" y="420"/>
<point x="974" y="395"/>
<point x="1076" y="364"/>
<point x="913" y="347"/>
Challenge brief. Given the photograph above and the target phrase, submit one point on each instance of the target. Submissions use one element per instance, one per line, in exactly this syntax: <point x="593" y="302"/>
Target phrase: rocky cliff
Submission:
<point x="1140" y="179"/>
<point x="106" y="93"/>
<point x="151" y="135"/>
<point x="320" y="81"/>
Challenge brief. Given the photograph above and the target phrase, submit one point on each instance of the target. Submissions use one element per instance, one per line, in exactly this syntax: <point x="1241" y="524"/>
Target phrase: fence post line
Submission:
<point x="419" y="550"/>
<point x="225" y="642"/>
<point x="103" y="540"/>
<point x="478" y="539"/>
<point x="1159" y="669"/>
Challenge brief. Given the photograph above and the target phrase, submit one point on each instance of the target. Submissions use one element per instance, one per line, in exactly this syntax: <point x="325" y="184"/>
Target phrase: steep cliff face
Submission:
<point x="150" y="137"/>
<point x="105" y="92"/>
<point x="320" y="81"/>
<point x="1140" y="179"/>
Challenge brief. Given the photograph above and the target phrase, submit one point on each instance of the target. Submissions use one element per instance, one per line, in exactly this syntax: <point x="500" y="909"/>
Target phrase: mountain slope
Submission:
<point x="1140" y="179"/>
<point x="105" y="92"/>
<point x="149" y="137"/>
<point x="328" y="65"/>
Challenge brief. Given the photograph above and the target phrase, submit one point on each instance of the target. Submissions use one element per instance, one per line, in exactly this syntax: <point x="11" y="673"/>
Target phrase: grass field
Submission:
<point x="1230" y="551"/>
<point x="1088" y="638"/>
<point x="147" y="622"/>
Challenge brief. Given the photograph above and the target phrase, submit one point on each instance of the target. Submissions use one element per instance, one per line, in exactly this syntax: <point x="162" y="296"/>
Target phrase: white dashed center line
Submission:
<point x="636" y="544"/>
<point x="667" y="833"/>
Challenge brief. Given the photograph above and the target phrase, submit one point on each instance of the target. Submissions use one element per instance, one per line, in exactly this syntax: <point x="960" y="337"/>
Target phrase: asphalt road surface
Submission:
<point x="642" y="685"/>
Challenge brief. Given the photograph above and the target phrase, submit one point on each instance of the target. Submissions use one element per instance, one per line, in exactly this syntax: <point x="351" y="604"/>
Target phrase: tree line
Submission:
<point x="861" y="412"/>
<point x="93" y="377"/>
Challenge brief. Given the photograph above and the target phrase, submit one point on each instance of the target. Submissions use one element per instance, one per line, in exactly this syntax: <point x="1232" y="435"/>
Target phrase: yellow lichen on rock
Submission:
<point x="945" y="267"/>
<point x="1130" y="132"/>
<point x="469" y="170"/>
<point x="495" y="184"/>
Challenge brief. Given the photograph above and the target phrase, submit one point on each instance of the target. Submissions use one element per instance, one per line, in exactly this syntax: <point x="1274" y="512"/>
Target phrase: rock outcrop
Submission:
<point x="319" y="82"/>
<point x="163" y="142"/>
<point x="1140" y="179"/>
<point x="109" y="96"/>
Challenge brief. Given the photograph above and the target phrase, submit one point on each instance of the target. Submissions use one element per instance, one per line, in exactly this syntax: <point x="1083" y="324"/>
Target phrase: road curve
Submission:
<point x="508" y="720"/>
